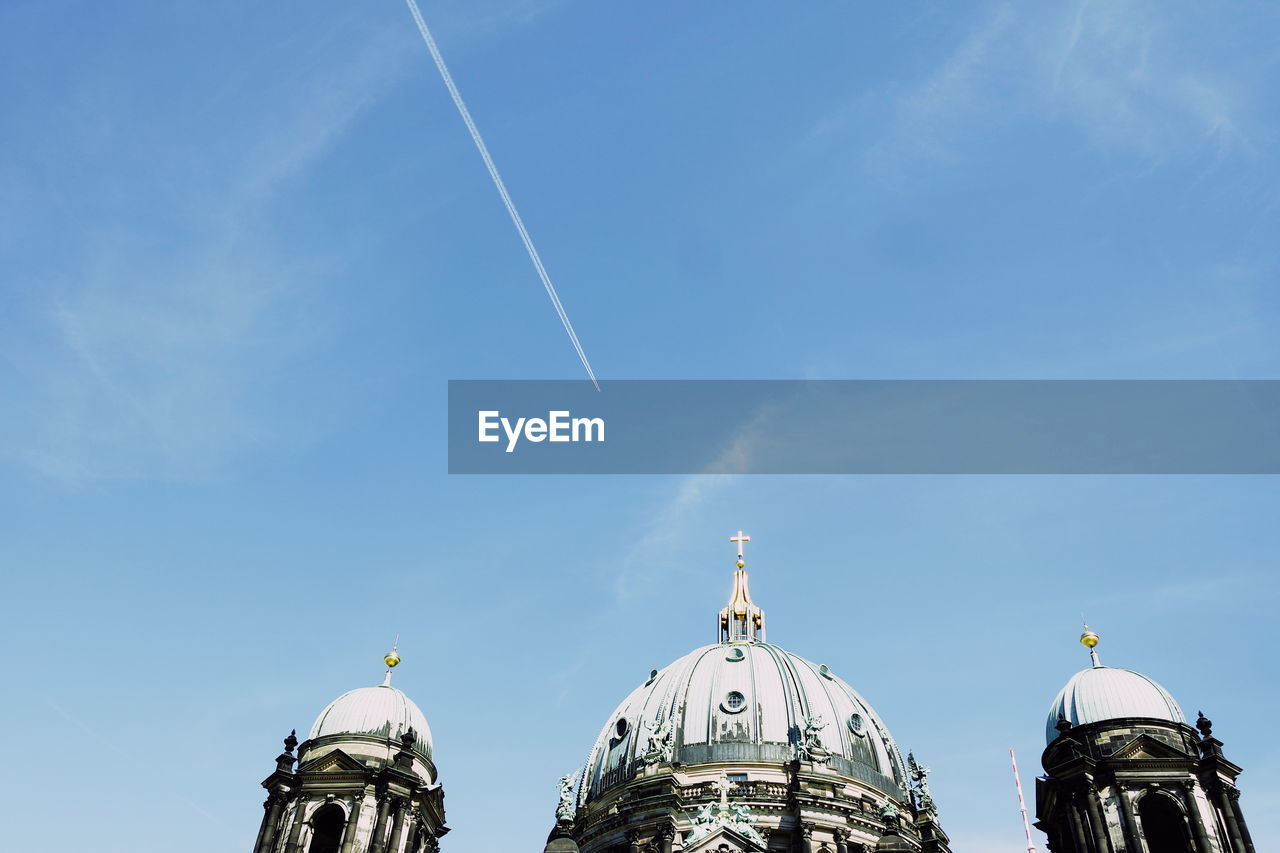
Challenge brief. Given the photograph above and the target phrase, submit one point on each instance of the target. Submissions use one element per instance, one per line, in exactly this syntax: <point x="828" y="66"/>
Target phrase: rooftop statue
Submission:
<point x="920" y="782"/>
<point x="566" y="810"/>
<point x="811" y="745"/>
<point x="660" y="740"/>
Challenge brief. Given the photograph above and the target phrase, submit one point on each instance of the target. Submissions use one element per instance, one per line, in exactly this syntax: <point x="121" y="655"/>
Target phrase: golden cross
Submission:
<point x="740" y="538"/>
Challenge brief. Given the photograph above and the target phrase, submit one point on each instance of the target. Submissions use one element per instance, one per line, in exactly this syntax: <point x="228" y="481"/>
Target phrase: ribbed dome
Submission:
<point x="743" y="701"/>
<point x="381" y="712"/>
<point x="1102" y="693"/>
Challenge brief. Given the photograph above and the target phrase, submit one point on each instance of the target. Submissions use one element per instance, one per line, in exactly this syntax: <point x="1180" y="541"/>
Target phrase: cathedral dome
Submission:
<point x="1102" y="693"/>
<point x="743" y="702"/>
<point x="742" y="745"/>
<point x="380" y="714"/>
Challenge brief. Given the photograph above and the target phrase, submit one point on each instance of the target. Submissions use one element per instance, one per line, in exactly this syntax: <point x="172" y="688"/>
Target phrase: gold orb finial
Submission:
<point x="741" y="564"/>
<point x="392" y="659"/>
<point x="1088" y="639"/>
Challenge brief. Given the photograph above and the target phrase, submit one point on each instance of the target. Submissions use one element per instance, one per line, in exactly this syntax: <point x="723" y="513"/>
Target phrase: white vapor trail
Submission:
<point x="502" y="189"/>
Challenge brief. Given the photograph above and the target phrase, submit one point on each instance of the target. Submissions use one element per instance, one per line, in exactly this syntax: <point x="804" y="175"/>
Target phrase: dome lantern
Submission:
<point x="741" y="621"/>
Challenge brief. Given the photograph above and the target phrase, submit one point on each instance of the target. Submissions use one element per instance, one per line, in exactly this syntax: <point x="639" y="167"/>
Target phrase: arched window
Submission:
<point x="1162" y="824"/>
<point x="326" y="829"/>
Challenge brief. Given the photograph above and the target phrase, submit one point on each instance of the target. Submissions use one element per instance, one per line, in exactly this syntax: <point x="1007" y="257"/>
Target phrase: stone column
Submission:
<point x="273" y="805"/>
<point x="1233" y="795"/>
<point x="842" y="840"/>
<point x="296" y="829"/>
<point x="262" y="827"/>
<point x="633" y="840"/>
<point x="1134" y="834"/>
<point x="1229" y="815"/>
<point x="377" y="841"/>
<point x="415" y="829"/>
<point x="1076" y="819"/>
<point x="668" y="838"/>
<point x="1197" y="819"/>
<point x="397" y="828"/>
<point x="353" y="824"/>
<point x="806" y="837"/>
<point x="1092" y="799"/>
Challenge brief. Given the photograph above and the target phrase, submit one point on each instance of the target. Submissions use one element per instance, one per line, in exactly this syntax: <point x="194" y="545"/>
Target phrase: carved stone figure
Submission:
<point x="811" y="746"/>
<point x="660" y="740"/>
<point x="920" y="782"/>
<point x="566" y="810"/>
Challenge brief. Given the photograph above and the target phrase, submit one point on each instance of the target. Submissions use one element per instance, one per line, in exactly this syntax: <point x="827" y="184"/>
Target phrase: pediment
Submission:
<point x="1145" y="746"/>
<point x="335" y="761"/>
<point x="724" y="840"/>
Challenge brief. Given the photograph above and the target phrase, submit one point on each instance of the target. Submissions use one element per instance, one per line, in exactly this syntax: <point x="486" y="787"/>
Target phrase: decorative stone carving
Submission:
<point x="811" y="747"/>
<point x="919" y="782"/>
<point x="660" y="743"/>
<point x="735" y="816"/>
<point x="566" y="810"/>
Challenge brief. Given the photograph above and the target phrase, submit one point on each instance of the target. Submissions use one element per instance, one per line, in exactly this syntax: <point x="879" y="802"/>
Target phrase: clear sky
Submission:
<point x="244" y="245"/>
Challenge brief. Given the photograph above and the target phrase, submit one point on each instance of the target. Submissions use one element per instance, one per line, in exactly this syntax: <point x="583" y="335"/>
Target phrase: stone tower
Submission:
<point x="1125" y="773"/>
<point x="364" y="781"/>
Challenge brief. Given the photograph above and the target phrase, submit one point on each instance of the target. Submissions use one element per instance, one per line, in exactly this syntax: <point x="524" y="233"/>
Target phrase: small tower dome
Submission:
<point x="364" y="779"/>
<point x="1102" y="693"/>
<point x="382" y="713"/>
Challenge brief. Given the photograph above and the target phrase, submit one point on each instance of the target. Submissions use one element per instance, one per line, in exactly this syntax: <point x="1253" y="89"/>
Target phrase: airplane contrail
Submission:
<point x="502" y="189"/>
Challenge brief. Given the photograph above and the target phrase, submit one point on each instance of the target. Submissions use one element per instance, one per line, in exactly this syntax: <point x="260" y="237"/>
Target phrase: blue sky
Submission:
<point x="243" y="247"/>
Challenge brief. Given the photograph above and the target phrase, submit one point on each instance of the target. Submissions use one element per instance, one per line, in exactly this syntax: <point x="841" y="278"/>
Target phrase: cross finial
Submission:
<point x="723" y="786"/>
<point x="742" y="621"/>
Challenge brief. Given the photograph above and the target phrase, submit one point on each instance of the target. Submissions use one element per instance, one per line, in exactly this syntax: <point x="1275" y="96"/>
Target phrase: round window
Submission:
<point x="733" y="702"/>
<point x="620" y="727"/>
<point x="856" y="725"/>
<point x="735" y="654"/>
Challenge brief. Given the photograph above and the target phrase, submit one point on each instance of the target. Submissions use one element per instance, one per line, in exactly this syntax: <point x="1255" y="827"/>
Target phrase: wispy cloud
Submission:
<point x="673" y="522"/>
<point x="664" y="534"/>
<point x="1119" y="72"/>
<point x="929" y="115"/>
<point x="147" y="351"/>
<point x="1121" y="76"/>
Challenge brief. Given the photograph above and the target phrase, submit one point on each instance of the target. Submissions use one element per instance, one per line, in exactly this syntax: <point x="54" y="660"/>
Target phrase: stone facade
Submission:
<point x="1134" y="785"/>
<point x="335" y="803"/>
